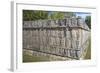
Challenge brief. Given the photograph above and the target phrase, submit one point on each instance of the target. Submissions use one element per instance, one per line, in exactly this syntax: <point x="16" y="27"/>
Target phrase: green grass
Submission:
<point x="88" y="54"/>
<point x="30" y="58"/>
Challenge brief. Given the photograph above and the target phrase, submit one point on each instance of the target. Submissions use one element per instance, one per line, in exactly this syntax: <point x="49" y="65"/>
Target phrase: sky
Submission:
<point x="82" y="14"/>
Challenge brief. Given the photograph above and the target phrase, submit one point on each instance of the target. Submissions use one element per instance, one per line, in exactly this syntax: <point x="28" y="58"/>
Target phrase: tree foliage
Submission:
<point x="88" y="21"/>
<point x="69" y="14"/>
<point x="31" y="15"/>
<point x="56" y="15"/>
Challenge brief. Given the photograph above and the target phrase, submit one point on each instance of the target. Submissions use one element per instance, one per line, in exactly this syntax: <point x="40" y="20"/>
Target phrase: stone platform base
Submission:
<point x="50" y="57"/>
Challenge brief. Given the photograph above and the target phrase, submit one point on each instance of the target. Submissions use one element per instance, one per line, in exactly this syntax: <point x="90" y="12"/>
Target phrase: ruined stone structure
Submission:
<point x="64" y="37"/>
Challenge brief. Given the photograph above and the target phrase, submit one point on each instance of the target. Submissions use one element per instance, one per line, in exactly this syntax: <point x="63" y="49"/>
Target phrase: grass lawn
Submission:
<point x="30" y="58"/>
<point x="88" y="54"/>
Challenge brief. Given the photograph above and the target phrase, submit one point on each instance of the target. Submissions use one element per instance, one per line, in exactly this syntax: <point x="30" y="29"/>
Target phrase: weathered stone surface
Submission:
<point x="61" y="37"/>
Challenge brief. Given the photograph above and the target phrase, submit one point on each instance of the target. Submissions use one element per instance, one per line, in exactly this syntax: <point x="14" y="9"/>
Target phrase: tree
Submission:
<point x="55" y="15"/>
<point x="60" y="15"/>
<point x="69" y="14"/>
<point x="29" y="15"/>
<point x="88" y="21"/>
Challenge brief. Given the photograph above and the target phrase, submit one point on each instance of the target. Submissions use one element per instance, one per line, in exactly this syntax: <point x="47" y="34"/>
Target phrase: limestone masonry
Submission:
<point x="64" y="37"/>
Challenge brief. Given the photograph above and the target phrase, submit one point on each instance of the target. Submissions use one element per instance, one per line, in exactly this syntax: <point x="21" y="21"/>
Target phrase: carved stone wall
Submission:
<point x="64" y="37"/>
